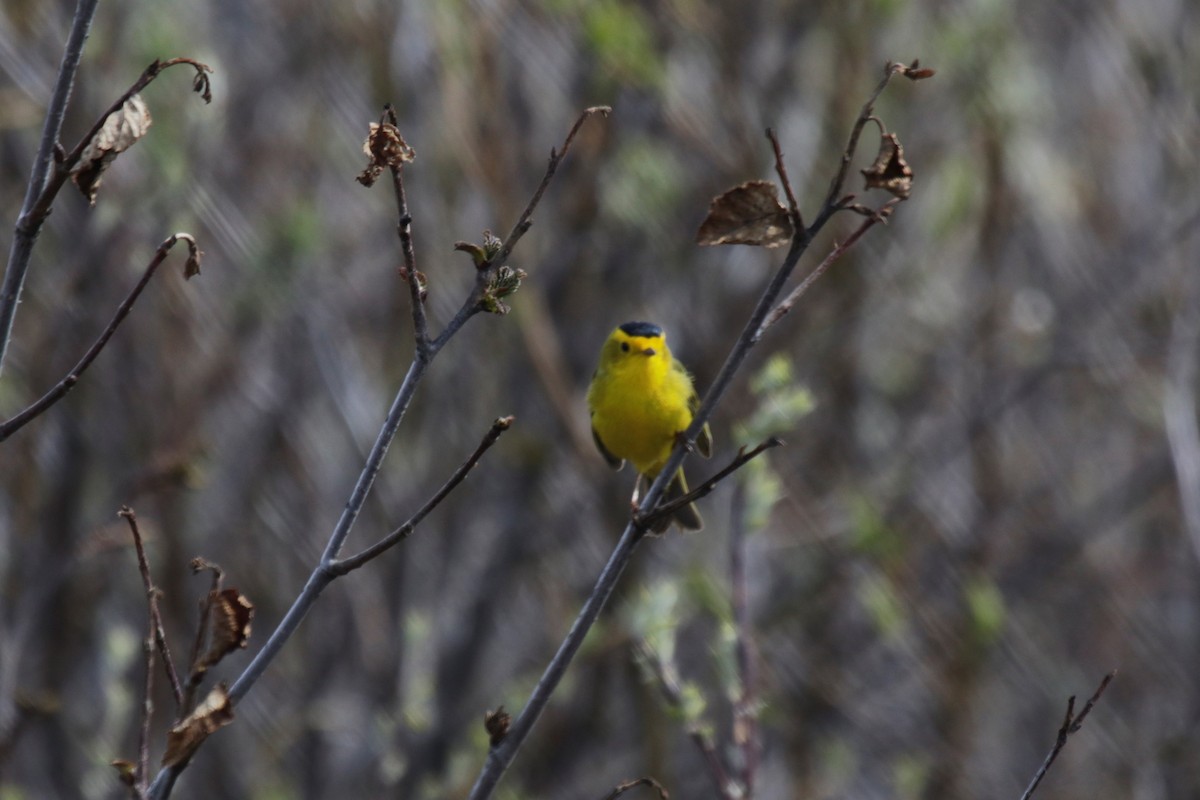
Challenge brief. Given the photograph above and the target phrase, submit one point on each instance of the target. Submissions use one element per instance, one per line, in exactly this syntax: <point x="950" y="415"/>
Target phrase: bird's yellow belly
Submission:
<point x="641" y="429"/>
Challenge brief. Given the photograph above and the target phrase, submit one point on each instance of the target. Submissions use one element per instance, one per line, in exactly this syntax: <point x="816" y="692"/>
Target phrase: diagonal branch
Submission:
<point x="9" y="427"/>
<point x="44" y="185"/>
<point x="837" y="252"/>
<point x="152" y="593"/>
<point x="486" y="271"/>
<point x="341" y="566"/>
<point x="645" y="521"/>
<point x="1071" y="724"/>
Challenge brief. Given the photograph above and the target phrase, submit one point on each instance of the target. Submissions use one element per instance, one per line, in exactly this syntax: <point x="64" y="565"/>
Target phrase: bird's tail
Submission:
<point x="687" y="518"/>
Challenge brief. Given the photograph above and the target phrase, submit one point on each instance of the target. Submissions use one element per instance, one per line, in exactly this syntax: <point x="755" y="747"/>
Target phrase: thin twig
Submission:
<point x="341" y="566"/>
<point x="668" y="684"/>
<point x="486" y="271"/>
<point x="196" y="670"/>
<point x="404" y="229"/>
<point x="622" y="788"/>
<point x="781" y="171"/>
<point x="160" y="637"/>
<point x="556" y="156"/>
<point x="832" y="202"/>
<point x="837" y="252"/>
<point x="68" y="382"/>
<point x="745" y="714"/>
<point x="646" y="520"/>
<point x="500" y="756"/>
<point x="29" y="224"/>
<point x="1071" y="724"/>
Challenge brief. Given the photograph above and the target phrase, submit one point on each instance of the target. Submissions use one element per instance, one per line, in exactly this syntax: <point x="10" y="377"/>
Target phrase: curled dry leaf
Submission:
<point x="386" y="148"/>
<point x="747" y="214"/>
<point x="215" y="712"/>
<point x="890" y="171"/>
<point x="120" y="130"/>
<point x="231" y="617"/>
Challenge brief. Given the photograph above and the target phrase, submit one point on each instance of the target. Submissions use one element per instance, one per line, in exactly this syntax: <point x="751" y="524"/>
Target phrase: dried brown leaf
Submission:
<point x="890" y="171"/>
<point x="215" y="712"/>
<point x="121" y="129"/>
<point x="386" y="148"/>
<point x="747" y="214"/>
<point x="231" y="617"/>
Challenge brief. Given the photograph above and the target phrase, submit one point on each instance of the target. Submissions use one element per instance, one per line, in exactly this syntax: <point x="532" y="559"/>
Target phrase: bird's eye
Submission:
<point x="624" y="347"/>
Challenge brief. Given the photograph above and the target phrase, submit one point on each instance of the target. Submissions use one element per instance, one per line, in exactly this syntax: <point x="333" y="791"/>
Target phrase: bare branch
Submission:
<point x="645" y="521"/>
<point x="556" y="157"/>
<point x="340" y="567"/>
<point x="152" y="595"/>
<point x="65" y="385"/>
<point x="781" y="171"/>
<point x="404" y="228"/>
<point x="29" y="224"/>
<point x="837" y="252"/>
<point x="195" y="671"/>
<point x="622" y="788"/>
<point x="1071" y="724"/>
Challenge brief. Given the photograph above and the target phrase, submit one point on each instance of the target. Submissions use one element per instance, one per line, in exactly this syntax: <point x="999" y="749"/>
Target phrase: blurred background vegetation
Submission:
<point x="993" y="501"/>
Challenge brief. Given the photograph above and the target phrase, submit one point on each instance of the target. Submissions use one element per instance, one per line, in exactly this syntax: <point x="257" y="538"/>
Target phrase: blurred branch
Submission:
<point x="622" y="788"/>
<point x="1179" y="412"/>
<point x="29" y="224"/>
<point x="501" y="755"/>
<point x="668" y="683"/>
<point x="152" y="593"/>
<point x="745" y="713"/>
<point x="646" y="521"/>
<point x="45" y="185"/>
<point x="341" y="566"/>
<point x="51" y="397"/>
<point x="196" y="675"/>
<point x="1071" y="724"/>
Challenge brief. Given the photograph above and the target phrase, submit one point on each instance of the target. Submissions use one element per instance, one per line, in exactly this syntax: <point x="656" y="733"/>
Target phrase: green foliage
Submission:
<point x="870" y="534"/>
<point x="986" y="607"/>
<point x="881" y="602"/>
<point x="620" y="34"/>
<point x="645" y="175"/>
<point x="910" y="773"/>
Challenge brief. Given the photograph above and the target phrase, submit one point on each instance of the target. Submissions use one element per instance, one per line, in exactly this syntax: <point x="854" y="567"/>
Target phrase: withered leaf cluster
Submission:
<point x="386" y="148"/>
<point x="121" y="129"/>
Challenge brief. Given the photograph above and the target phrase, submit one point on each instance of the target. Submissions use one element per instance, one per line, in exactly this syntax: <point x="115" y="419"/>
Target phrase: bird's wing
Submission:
<point x="613" y="461"/>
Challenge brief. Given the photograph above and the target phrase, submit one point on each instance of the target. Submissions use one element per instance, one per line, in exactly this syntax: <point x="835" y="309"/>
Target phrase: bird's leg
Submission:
<point x="681" y="439"/>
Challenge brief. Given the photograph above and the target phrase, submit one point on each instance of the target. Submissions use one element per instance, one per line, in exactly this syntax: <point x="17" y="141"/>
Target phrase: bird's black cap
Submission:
<point x="646" y="329"/>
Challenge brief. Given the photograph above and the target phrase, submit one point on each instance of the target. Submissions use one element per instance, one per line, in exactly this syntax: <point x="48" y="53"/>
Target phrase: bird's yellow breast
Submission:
<point x="639" y="404"/>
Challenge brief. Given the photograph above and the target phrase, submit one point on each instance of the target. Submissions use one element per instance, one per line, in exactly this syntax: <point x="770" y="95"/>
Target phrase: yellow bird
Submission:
<point x="641" y="399"/>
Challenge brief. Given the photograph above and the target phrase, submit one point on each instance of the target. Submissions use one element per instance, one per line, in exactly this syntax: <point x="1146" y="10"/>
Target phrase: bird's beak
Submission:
<point x="649" y="351"/>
